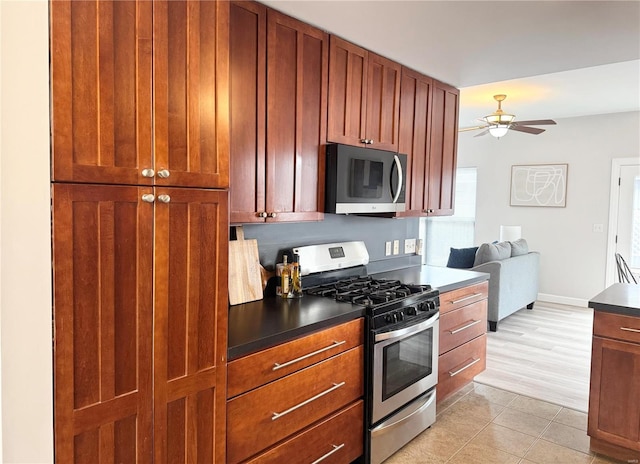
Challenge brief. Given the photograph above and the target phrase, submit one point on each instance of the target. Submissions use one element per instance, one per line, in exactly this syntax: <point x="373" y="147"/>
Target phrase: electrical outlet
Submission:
<point x="387" y="248"/>
<point x="396" y="247"/>
<point x="409" y="246"/>
<point x="598" y="228"/>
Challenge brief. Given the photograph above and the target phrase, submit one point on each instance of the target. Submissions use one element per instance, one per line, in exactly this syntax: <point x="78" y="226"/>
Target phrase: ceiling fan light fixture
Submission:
<point x="499" y="119"/>
<point x="498" y="130"/>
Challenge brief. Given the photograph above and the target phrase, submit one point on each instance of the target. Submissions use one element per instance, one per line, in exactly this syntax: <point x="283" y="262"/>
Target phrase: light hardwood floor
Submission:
<point x="544" y="353"/>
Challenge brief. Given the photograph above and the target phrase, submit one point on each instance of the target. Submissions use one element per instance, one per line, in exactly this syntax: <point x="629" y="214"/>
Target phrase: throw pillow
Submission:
<point x="462" y="258"/>
<point x="519" y="247"/>
<point x="492" y="252"/>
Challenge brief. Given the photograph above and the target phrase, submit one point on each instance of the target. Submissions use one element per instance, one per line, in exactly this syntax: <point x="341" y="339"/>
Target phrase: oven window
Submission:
<point x="406" y="361"/>
<point x="366" y="178"/>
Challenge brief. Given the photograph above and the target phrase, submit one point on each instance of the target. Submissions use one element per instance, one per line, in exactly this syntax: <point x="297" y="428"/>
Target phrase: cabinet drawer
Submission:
<point x="338" y="439"/>
<point x="463" y="296"/>
<point x="268" y="414"/>
<point x="616" y="326"/>
<point x="459" y="366"/>
<point x="257" y="369"/>
<point x="461" y="325"/>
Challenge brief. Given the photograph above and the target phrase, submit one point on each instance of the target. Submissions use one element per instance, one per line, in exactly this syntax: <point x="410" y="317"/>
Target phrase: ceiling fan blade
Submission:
<point x="465" y="129"/>
<point x="537" y="122"/>
<point x="486" y="131"/>
<point x="528" y="130"/>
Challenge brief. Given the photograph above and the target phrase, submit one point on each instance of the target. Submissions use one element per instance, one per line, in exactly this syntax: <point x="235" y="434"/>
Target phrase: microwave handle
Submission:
<point x="396" y="161"/>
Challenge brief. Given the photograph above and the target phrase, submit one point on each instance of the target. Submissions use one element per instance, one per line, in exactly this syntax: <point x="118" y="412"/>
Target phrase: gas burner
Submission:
<point x="367" y="291"/>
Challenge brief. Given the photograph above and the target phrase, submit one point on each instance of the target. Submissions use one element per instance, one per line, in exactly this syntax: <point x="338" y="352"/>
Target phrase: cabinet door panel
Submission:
<point x="614" y="405"/>
<point x="102" y="261"/>
<point x="296" y="114"/>
<point x="247" y="61"/>
<point x="414" y="138"/>
<point x="347" y="92"/>
<point x="101" y="91"/>
<point x="383" y="102"/>
<point x="442" y="160"/>
<point x="190" y="85"/>
<point x="190" y="330"/>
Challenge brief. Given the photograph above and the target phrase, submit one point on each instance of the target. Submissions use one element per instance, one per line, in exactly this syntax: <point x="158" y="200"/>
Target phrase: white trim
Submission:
<point x="616" y="164"/>
<point x="566" y="300"/>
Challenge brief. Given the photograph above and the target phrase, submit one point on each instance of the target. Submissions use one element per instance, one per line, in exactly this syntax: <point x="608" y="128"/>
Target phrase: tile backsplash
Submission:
<point x="273" y="239"/>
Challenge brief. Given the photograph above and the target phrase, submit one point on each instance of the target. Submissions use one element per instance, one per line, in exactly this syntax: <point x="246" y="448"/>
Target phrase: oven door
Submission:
<point x="405" y="365"/>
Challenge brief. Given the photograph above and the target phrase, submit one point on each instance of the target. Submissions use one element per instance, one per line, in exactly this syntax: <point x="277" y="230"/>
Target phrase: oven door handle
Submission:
<point x="414" y="329"/>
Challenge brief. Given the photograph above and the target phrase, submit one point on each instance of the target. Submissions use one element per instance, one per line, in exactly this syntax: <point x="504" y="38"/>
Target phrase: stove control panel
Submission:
<point x="405" y="314"/>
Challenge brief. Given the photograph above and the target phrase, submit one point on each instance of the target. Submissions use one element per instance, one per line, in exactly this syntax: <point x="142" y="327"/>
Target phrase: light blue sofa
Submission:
<point x="514" y="272"/>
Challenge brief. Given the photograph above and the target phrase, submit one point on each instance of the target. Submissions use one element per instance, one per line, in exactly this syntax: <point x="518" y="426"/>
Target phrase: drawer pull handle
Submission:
<point x="322" y="458"/>
<point x="466" y="366"/>
<point x="278" y="415"/>
<point x="277" y="366"/>
<point x="629" y="329"/>
<point x="465" y="298"/>
<point x="464" y="327"/>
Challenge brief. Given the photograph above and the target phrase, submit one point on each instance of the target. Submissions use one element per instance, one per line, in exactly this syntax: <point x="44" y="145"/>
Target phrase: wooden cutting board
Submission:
<point x="245" y="281"/>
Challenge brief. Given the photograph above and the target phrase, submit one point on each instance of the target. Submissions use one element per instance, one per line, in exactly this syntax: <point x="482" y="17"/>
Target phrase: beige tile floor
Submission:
<point x="483" y="424"/>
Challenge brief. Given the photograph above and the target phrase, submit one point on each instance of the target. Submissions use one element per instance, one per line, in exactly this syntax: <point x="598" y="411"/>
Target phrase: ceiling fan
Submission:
<point x="499" y="122"/>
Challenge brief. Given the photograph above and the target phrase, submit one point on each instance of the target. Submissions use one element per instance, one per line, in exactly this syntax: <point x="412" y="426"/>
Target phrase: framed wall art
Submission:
<point x="539" y="185"/>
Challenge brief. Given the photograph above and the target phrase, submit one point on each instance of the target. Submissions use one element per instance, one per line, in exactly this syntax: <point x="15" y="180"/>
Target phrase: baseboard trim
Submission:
<point x="563" y="300"/>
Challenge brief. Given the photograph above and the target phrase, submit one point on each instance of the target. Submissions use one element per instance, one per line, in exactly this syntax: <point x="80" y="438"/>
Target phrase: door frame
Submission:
<point x="616" y="164"/>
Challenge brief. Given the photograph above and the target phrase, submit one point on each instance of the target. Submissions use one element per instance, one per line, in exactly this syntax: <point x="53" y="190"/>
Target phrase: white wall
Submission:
<point x="25" y="234"/>
<point x="573" y="257"/>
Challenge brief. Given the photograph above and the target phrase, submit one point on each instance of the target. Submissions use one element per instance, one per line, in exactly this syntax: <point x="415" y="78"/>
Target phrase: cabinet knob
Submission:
<point x="365" y="141"/>
<point x="163" y="173"/>
<point x="272" y="215"/>
<point x="148" y="197"/>
<point x="262" y="214"/>
<point x="164" y="198"/>
<point x="148" y="172"/>
<point x="370" y="142"/>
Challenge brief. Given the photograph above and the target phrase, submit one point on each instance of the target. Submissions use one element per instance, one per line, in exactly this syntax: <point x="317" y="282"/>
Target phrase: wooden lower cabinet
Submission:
<point x="313" y="409"/>
<point x="463" y="340"/>
<point x="337" y="439"/>
<point x="614" y="399"/>
<point x="140" y="324"/>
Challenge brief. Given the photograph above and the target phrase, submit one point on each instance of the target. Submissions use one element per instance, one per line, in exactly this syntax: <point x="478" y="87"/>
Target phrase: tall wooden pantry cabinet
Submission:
<point x="140" y="176"/>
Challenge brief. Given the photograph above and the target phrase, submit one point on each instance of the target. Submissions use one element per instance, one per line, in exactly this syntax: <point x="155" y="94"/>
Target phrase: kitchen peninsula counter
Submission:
<point x="273" y="320"/>
<point x="619" y="299"/>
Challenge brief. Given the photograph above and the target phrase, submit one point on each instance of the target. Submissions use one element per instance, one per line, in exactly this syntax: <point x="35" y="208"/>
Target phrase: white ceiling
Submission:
<point x="553" y="59"/>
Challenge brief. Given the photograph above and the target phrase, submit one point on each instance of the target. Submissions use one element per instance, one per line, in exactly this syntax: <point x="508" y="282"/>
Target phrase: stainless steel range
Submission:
<point x="402" y="342"/>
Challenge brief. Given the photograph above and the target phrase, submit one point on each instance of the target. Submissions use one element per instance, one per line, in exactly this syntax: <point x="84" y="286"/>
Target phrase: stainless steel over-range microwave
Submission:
<point x="364" y="180"/>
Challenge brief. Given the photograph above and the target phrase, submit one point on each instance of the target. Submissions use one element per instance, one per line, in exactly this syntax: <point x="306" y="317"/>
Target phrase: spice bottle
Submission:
<point x="279" y="269"/>
<point x="285" y="278"/>
<point x="296" y="278"/>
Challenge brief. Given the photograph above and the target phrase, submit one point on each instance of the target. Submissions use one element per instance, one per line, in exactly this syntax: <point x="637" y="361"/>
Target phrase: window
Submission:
<point x="455" y="231"/>
<point x="634" y="261"/>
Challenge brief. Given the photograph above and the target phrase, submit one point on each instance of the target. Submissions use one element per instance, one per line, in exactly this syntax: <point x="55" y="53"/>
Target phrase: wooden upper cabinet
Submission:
<point x="102" y="308"/>
<point x="247" y="110"/>
<point x="383" y="102"/>
<point x="364" y="97"/>
<point x="101" y="88"/>
<point x="190" y="328"/>
<point x="278" y="94"/>
<point x="297" y="73"/>
<point x="347" y="92"/>
<point x="444" y="145"/>
<point x="190" y="72"/>
<point x="127" y="100"/>
<point x="414" y="139"/>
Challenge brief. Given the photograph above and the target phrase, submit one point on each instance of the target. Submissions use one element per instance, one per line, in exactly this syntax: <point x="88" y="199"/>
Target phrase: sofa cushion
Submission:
<point x="492" y="252"/>
<point x="462" y="258"/>
<point x="519" y="247"/>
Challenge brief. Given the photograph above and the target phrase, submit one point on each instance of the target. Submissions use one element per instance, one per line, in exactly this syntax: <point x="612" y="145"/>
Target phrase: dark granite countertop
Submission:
<point x="443" y="278"/>
<point x="268" y="322"/>
<point x="618" y="298"/>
